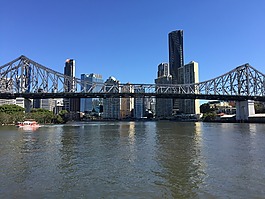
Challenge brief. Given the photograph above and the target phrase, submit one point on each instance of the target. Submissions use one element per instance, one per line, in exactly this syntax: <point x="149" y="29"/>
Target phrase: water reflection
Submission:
<point x="179" y="155"/>
<point x="69" y="155"/>
<point x="127" y="138"/>
<point x="28" y="128"/>
<point x="29" y="142"/>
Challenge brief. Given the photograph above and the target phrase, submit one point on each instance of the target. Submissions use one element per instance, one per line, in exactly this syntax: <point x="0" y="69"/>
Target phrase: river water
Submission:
<point x="133" y="160"/>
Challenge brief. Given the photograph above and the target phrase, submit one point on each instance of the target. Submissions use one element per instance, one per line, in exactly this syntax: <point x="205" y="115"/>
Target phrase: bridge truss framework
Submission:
<point x="26" y="78"/>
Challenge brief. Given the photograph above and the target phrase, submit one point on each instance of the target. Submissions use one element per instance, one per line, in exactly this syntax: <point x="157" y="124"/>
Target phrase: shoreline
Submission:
<point x="150" y="120"/>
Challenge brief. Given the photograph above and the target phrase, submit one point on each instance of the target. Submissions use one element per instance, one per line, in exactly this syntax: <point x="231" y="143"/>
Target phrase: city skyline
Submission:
<point x="122" y="38"/>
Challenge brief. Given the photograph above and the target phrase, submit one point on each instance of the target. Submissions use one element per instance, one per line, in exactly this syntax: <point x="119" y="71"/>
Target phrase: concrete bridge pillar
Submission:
<point x="244" y="109"/>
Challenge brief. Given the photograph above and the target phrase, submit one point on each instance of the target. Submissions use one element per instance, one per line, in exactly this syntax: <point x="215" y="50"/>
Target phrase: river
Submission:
<point x="133" y="160"/>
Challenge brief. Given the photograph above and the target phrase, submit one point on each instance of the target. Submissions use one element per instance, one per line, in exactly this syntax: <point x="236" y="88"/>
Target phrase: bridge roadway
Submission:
<point x="127" y="95"/>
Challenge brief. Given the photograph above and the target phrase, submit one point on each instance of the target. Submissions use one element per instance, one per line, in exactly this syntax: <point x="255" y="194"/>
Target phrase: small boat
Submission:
<point x="28" y="125"/>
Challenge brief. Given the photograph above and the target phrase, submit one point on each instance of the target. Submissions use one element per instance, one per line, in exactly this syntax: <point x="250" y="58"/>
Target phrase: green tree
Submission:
<point x="42" y="116"/>
<point x="205" y="108"/>
<point x="64" y="115"/>
<point x="11" y="108"/>
<point x="17" y="117"/>
<point x="4" y="118"/>
<point x="58" y="119"/>
<point x="207" y="117"/>
<point x="259" y="108"/>
<point x="10" y="113"/>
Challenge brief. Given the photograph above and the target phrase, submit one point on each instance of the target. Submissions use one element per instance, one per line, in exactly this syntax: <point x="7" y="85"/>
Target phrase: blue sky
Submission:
<point x="128" y="39"/>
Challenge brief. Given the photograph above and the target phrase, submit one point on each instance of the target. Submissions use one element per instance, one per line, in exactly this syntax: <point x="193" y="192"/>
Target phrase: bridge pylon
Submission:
<point x="244" y="109"/>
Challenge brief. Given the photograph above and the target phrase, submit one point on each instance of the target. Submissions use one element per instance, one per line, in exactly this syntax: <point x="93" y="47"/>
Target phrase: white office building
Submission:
<point x="189" y="74"/>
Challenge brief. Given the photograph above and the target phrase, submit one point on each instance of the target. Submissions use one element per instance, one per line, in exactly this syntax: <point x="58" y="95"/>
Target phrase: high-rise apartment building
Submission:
<point x="72" y="104"/>
<point x="89" y="80"/>
<point x="163" y="70"/>
<point x="163" y="105"/>
<point x="111" y="106"/>
<point x="176" y="58"/>
<point x="189" y="74"/>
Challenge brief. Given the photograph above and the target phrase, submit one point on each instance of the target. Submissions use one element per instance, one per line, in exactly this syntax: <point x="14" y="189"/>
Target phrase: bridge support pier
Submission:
<point x="244" y="109"/>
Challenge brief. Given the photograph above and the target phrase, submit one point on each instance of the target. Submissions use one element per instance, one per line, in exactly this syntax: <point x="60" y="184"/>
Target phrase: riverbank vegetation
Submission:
<point x="215" y="110"/>
<point x="11" y="114"/>
<point x="209" y="113"/>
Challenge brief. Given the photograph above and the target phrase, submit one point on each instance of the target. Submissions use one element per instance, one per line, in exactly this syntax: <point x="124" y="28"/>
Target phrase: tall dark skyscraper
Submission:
<point x="176" y="58"/>
<point x="69" y="70"/>
<point x="73" y="104"/>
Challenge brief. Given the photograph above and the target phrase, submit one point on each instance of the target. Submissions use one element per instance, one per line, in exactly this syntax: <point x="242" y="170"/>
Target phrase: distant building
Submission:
<point x="89" y="80"/>
<point x="164" y="106"/>
<point x="176" y="58"/>
<point x="7" y="101"/>
<point x="149" y="105"/>
<point x="47" y="104"/>
<point x="111" y="106"/>
<point x="127" y="104"/>
<point x="226" y="107"/>
<point x="24" y="103"/>
<point x="70" y="104"/>
<point x="69" y="70"/>
<point x="58" y="105"/>
<point x="189" y="74"/>
<point x="139" y="110"/>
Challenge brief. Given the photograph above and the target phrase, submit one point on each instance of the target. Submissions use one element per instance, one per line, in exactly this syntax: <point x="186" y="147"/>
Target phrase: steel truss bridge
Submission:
<point x="26" y="78"/>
